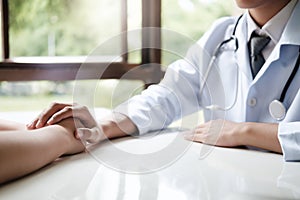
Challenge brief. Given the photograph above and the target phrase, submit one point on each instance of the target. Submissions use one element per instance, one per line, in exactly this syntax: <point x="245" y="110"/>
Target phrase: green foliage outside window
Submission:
<point x="76" y="27"/>
<point x="61" y="27"/>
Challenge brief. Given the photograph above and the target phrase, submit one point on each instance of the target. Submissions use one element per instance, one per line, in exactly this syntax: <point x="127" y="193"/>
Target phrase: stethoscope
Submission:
<point x="277" y="109"/>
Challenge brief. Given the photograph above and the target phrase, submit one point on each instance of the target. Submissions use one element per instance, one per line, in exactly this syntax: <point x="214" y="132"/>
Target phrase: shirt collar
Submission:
<point x="275" y="26"/>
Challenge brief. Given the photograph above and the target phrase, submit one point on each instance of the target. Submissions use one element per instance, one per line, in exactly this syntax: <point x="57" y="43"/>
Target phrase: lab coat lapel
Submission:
<point x="275" y="55"/>
<point x="290" y="34"/>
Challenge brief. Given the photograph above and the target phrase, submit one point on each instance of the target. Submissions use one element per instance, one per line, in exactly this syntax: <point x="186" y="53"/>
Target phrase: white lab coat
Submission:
<point x="178" y="94"/>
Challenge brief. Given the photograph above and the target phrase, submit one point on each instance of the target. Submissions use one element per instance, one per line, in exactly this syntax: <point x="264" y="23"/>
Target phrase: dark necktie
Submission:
<point x="256" y="44"/>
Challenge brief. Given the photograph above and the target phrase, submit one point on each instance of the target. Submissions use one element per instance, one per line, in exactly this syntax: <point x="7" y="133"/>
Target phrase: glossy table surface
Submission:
<point x="160" y="166"/>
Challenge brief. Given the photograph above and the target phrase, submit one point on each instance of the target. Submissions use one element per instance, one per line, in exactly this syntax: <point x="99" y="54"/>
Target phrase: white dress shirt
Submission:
<point x="273" y="28"/>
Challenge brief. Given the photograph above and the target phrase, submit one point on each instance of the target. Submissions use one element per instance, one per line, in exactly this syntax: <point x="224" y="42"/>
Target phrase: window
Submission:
<point x="61" y="28"/>
<point x="44" y="43"/>
<point x="56" y="35"/>
<point x="46" y="46"/>
<point x="190" y="19"/>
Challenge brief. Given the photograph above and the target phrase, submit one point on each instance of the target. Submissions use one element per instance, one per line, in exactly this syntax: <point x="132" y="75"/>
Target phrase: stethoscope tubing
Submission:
<point x="276" y="108"/>
<point x="210" y="65"/>
<point x="291" y="78"/>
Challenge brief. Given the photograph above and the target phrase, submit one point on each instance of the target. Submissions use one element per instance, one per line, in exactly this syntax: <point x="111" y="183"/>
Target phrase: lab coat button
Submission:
<point x="252" y="102"/>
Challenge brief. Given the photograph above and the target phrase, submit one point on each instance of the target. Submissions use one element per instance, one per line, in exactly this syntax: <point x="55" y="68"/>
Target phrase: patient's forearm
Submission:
<point x="6" y="125"/>
<point x="22" y="152"/>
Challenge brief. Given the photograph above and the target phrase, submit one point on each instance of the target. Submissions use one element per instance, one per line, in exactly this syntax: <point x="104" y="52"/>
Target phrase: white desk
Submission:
<point x="226" y="173"/>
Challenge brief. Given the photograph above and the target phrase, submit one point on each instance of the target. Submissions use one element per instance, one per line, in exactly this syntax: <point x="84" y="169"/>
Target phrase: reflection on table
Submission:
<point x="103" y="173"/>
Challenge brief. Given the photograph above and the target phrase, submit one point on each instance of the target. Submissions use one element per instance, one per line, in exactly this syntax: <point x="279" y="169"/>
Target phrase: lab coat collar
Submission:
<point x="275" y="26"/>
<point x="290" y="36"/>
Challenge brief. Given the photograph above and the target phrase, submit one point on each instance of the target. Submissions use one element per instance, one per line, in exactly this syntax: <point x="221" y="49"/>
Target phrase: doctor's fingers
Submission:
<point x="198" y="137"/>
<point x="64" y="113"/>
<point x="77" y="111"/>
<point x="202" y="128"/>
<point x="90" y="135"/>
<point x="44" y="116"/>
<point x="204" y="134"/>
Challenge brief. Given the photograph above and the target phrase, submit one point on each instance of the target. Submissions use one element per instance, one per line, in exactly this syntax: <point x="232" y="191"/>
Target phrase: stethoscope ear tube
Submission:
<point x="210" y="65"/>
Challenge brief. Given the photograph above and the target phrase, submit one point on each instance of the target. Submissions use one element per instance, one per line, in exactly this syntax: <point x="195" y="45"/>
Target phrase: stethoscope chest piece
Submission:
<point x="277" y="110"/>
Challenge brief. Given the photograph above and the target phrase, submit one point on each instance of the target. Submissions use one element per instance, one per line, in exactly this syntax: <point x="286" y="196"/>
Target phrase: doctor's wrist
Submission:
<point x="245" y="133"/>
<point x="261" y="135"/>
<point x="117" y="125"/>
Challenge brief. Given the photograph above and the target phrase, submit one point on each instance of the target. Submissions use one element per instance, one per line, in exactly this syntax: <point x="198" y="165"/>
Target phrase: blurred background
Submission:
<point x="41" y="30"/>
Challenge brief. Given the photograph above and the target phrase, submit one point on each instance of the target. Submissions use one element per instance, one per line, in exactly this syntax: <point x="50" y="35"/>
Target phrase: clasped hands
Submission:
<point x="56" y="112"/>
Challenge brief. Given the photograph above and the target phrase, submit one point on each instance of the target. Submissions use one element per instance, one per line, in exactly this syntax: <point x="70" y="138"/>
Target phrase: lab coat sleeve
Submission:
<point x="175" y="96"/>
<point x="178" y="94"/>
<point x="289" y="138"/>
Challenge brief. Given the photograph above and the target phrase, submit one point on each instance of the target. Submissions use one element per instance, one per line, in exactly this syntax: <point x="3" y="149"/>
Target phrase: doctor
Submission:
<point x="258" y="107"/>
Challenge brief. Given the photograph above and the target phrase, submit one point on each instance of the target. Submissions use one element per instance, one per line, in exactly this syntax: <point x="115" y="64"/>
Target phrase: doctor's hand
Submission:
<point x="59" y="111"/>
<point x="218" y="132"/>
<point x="229" y="134"/>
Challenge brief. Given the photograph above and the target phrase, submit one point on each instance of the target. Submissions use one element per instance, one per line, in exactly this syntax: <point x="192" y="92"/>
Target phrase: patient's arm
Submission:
<point x="6" y="125"/>
<point x="24" y="153"/>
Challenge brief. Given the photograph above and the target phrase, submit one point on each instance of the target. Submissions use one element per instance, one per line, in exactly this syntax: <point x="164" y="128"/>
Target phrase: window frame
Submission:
<point x="151" y="17"/>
